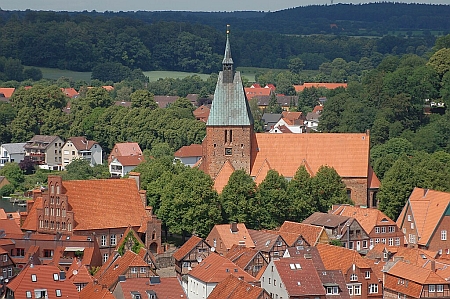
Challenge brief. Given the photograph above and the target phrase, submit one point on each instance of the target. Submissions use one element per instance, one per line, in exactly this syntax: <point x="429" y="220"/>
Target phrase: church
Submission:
<point x="231" y="144"/>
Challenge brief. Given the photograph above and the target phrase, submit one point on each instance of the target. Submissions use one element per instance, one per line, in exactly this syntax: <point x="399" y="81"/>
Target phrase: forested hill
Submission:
<point x="374" y="19"/>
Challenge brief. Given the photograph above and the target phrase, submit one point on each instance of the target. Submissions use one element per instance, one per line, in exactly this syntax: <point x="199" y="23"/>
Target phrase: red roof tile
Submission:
<point x="187" y="247"/>
<point x="319" y="85"/>
<point x="241" y="236"/>
<point x="10" y="226"/>
<point x="81" y="143"/>
<point x="130" y="160"/>
<point x="340" y="258"/>
<point x="7" y="91"/>
<point x="193" y="150"/>
<point x="91" y="291"/>
<point x="234" y="288"/>
<point x="310" y="233"/>
<point x="168" y="288"/>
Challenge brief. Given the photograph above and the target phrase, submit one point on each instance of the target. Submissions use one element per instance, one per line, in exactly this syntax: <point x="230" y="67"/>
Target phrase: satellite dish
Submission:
<point x="199" y="259"/>
<point x="213" y="249"/>
<point x="74" y="272"/>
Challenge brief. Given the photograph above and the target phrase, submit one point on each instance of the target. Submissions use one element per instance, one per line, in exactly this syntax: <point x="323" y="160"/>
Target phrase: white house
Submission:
<point x="81" y="148"/>
<point x="45" y="151"/>
<point x="11" y="152"/>
<point x="122" y="165"/>
<point x="189" y="155"/>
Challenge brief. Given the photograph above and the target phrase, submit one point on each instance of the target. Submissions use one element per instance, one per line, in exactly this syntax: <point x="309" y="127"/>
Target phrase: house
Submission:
<point x="11" y="152"/>
<point x="223" y="236"/>
<point x="360" y="279"/>
<point x="299" y="88"/>
<point x="292" y="278"/>
<point x="81" y="148"/>
<point x="41" y="281"/>
<point x="7" y="265"/>
<point x="70" y="92"/>
<point x="164" y="101"/>
<point x="124" y="149"/>
<point x="300" y="234"/>
<point x="188" y="256"/>
<point x="232" y="144"/>
<point x="202" y="113"/>
<point x="101" y="209"/>
<point x="270" y="120"/>
<point x="45" y="151"/>
<point x="6" y="92"/>
<point x="269" y="243"/>
<point x="347" y="230"/>
<point x="79" y="275"/>
<point x="381" y="228"/>
<point x="252" y="92"/>
<point x="286" y="102"/>
<point x="149" y="288"/>
<point x="189" y="154"/>
<point x="404" y="280"/>
<point x="425" y="220"/>
<point x="293" y="121"/>
<point x="250" y="260"/>
<point x="312" y="121"/>
<point x="234" y="288"/>
<point x="211" y="271"/>
<point x="122" y="165"/>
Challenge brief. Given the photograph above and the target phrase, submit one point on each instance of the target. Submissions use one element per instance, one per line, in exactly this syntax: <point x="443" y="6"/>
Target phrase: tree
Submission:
<point x="273" y="106"/>
<point x="32" y="73"/>
<point x="111" y="71"/>
<point x="13" y="174"/>
<point x="144" y="99"/>
<point x="238" y="199"/>
<point x="97" y="97"/>
<point x="396" y="187"/>
<point x="328" y="189"/>
<point x="440" y="61"/>
<point x="299" y="191"/>
<point x="272" y="200"/>
<point x="78" y="169"/>
<point x="296" y="65"/>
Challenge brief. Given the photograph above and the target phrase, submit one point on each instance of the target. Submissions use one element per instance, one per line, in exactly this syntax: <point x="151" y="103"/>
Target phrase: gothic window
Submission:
<point x="226" y="135"/>
<point x="231" y="136"/>
<point x="57" y="189"/>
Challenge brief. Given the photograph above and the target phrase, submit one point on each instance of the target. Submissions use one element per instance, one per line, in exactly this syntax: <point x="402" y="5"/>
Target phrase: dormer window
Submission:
<point x="33" y="277"/>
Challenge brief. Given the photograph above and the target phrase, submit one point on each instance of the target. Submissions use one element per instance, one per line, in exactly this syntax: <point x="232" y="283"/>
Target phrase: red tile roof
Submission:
<point x="416" y="273"/>
<point x="10" y="226"/>
<point x="241" y="255"/>
<point x="216" y="268"/>
<point x="7" y="91"/>
<point x="187" y="247"/>
<point x="230" y="238"/>
<point x="303" y="281"/>
<point x="428" y="207"/>
<point x="81" y="143"/>
<point x="70" y="92"/>
<point x="310" y="233"/>
<point x="340" y="258"/>
<point x="319" y="85"/>
<point x="221" y="180"/>
<point x="251" y="92"/>
<point x="168" y="288"/>
<point x="127" y="149"/>
<point x="193" y="150"/>
<point x="372" y="179"/>
<point x="130" y="160"/>
<point x="44" y="279"/>
<point x="91" y="291"/>
<point x="234" y="288"/>
<point x="79" y="273"/>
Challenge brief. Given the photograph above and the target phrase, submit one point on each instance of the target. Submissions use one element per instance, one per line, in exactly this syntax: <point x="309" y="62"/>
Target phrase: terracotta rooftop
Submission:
<point x="229" y="238"/>
<point x="299" y="276"/>
<point x="319" y="85"/>
<point x="163" y="101"/>
<point x="309" y="232"/>
<point x="127" y="149"/>
<point x="167" y="288"/>
<point x="70" y="92"/>
<point x="251" y="92"/>
<point x="96" y="291"/>
<point x="79" y="273"/>
<point x="38" y="276"/>
<point x="221" y="180"/>
<point x="216" y="268"/>
<point x="130" y="160"/>
<point x="88" y="199"/>
<point x="334" y="277"/>
<point x="428" y="207"/>
<point x="241" y="255"/>
<point x="81" y="143"/>
<point x="193" y="150"/>
<point x="7" y="91"/>
<point x="367" y="217"/>
<point x="347" y="153"/>
<point x="326" y="220"/>
<point x="340" y="258"/>
<point x="416" y="273"/>
<point x="10" y="226"/>
<point x="234" y="288"/>
<point x="264" y="240"/>
<point x="372" y="179"/>
<point x="187" y="247"/>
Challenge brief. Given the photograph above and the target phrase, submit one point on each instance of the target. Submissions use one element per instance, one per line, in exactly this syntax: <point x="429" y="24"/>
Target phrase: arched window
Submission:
<point x="57" y="189"/>
<point x="52" y="188"/>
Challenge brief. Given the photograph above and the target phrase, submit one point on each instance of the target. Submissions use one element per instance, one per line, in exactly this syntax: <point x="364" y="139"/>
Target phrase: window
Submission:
<point x="377" y="240"/>
<point x="367" y="275"/>
<point x="113" y="240"/>
<point x="353" y="277"/>
<point x="55" y="276"/>
<point x="42" y="293"/>
<point x="73" y="153"/>
<point x="409" y="218"/>
<point x="431" y="288"/>
<point x="443" y="235"/>
<point x="143" y="270"/>
<point x="332" y="290"/>
<point x="105" y="257"/>
<point x="373" y="288"/>
<point x="365" y="244"/>
<point x="391" y="241"/>
<point x="33" y="278"/>
<point x="377" y="230"/>
<point x="383" y="229"/>
<point x="412" y="225"/>
<point x="383" y="240"/>
<point x="439" y="288"/>
<point x="350" y="289"/>
<point x="58" y="293"/>
<point x="103" y="240"/>
<point x="412" y="238"/>
<point x="28" y="294"/>
<point x="371" y="243"/>
<point x="133" y="270"/>
<point x="357" y="289"/>
<point x="10" y="273"/>
<point x="228" y="151"/>
<point x="397" y="241"/>
<point x="391" y="229"/>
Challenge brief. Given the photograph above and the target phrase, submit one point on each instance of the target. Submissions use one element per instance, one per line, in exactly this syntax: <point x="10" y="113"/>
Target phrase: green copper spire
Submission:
<point x="227" y="60"/>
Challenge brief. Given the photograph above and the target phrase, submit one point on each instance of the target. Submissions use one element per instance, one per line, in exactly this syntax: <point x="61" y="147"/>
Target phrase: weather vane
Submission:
<point x="228" y="29"/>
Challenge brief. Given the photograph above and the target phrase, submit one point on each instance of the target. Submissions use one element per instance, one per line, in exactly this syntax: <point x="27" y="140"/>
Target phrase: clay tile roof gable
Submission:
<point x="291" y="275"/>
<point x="130" y="160"/>
<point x="127" y="149"/>
<point x="7" y="91"/>
<point x="221" y="180"/>
<point x="416" y="274"/>
<point x="96" y="291"/>
<point x="340" y="258"/>
<point x="229" y="238"/>
<point x="372" y="179"/>
<point x="81" y="143"/>
<point x="428" y="207"/>
<point x="292" y="115"/>
<point x="31" y="222"/>
<point x="109" y="273"/>
<point x="168" y="288"/>
<point x="234" y="288"/>
<point x="10" y="226"/>
<point x="193" y="150"/>
<point x="309" y="232"/>
<point x="264" y="240"/>
<point x="241" y="255"/>
<point x="187" y="247"/>
<point x="216" y="268"/>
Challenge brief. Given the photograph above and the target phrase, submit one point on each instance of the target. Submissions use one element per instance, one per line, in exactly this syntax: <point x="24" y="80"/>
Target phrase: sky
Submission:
<point x="178" y="5"/>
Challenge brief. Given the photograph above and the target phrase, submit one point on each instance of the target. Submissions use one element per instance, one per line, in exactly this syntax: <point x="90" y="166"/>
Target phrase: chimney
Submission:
<point x="30" y="204"/>
<point x="425" y="191"/>
<point x="143" y="196"/>
<point x="137" y="177"/>
<point x="233" y="227"/>
<point x="433" y="265"/>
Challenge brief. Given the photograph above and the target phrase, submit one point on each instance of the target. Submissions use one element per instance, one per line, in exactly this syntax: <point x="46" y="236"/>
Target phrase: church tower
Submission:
<point x="229" y="129"/>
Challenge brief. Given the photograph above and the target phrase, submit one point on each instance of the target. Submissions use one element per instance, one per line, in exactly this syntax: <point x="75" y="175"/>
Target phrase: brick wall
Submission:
<point x="358" y="188"/>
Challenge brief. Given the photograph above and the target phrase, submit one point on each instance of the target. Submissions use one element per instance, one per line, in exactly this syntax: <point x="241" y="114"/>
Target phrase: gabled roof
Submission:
<point x="347" y="153"/>
<point x="96" y="291"/>
<point x="187" y="247"/>
<point x="216" y="268"/>
<point x="241" y="255"/>
<point x="326" y="220"/>
<point x="416" y="273"/>
<point x="70" y="92"/>
<point x="319" y="85"/>
<point x="230" y="238"/>
<point x="127" y="149"/>
<point x="428" y="207"/>
<point x="10" y="226"/>
<point x="14" y="148"/>
<point x="234" y="288"/>
<point x="368" y="218"/>
<point x="292" y="116"/>
<point x="333" y="278"/>
<point x="129" y="160"/>
<point x="309" y="232"/>
<point x="79" y="273"/>
<point x="264" y="240"/>
<point x="81" y="143"/>
<point x="415" y="256"/>
<point x="251" y="92"/>
<point x="221" y="180"/>
<point x="340" y="258"/>
<point x="44" y="275"/>
<point x="40" y="141"/>
<point x="7" y="91"/>
<point x="163" y="101"/>
<point x="88" y="199"/>
<point x="202" y="113"/>
<point x="372" y="179"/>
<point x="193" y="150"/>
<point x="299" y="277"/>
<point x="167" y="288"/>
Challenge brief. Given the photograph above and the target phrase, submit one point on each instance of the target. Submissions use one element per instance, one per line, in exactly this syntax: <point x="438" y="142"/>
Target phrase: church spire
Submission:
<point x="227" y="60"/>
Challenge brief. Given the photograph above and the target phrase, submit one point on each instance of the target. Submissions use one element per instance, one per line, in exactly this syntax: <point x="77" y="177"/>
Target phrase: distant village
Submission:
<point x="100" y="239"/>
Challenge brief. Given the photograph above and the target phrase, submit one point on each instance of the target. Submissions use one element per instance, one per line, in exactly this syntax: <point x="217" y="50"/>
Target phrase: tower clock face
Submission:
<point x="228" y="151"/>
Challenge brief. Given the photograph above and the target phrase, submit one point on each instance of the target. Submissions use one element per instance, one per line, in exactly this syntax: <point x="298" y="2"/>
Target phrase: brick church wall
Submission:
<point x="358" y="189"/>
